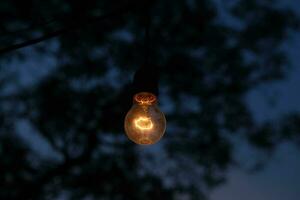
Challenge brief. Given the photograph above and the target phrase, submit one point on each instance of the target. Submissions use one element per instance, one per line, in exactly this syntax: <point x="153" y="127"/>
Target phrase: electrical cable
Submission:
<point x="121" y="10"/>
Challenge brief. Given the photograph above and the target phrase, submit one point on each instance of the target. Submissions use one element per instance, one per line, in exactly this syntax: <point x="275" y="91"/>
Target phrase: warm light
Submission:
<point x="145" y="123"/>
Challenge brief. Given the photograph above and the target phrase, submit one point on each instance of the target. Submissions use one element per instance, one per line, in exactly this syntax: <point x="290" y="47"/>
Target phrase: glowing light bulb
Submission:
<point x="145" y="123"/>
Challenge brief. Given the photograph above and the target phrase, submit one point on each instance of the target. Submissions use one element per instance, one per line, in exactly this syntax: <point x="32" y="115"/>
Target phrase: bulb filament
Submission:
<point x="143" y="123"/>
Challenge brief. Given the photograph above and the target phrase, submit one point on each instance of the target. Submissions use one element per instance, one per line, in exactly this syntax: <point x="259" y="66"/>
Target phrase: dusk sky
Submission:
<point x="279" y="179"/>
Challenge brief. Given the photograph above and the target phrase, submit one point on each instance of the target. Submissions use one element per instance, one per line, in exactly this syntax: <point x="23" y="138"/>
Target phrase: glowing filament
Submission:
<point x="143" y="123"/>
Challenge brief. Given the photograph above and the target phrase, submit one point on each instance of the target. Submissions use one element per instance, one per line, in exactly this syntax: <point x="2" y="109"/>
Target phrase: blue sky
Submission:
<point x="280" y="179"/>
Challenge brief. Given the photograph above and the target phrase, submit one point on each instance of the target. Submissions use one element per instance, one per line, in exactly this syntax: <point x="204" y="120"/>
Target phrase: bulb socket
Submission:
<point x="145" y="98"/>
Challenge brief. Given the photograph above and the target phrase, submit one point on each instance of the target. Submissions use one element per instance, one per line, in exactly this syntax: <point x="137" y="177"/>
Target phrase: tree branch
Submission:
<point x="121" y="10"/>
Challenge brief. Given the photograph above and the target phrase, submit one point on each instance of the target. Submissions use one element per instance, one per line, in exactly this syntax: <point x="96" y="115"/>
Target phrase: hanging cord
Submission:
<point x="147" y="38"/>
<point x="146" y="77"/>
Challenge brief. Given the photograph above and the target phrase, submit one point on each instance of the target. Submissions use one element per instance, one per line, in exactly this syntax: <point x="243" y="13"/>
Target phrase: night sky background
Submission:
<point x="228" y="84"/>
<point x="280" y="177"/>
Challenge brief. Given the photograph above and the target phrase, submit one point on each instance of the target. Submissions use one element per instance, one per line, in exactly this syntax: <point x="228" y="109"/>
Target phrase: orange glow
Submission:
<point x="145" y="98"/>
<point x="143" y="123"/>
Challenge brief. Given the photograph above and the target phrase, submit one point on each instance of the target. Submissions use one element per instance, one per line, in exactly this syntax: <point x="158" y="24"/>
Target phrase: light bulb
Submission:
<point x="145" y="123"/>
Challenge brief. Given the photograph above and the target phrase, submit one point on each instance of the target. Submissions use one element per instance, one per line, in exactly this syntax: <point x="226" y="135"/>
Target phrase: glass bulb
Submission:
<point x="145" y="123"/>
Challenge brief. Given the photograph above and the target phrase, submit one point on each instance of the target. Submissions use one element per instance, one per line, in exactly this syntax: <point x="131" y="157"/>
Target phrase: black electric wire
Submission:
<point x="147" y="42"/>
<point x="146" y="76"/>
<point x="121" y="10"/>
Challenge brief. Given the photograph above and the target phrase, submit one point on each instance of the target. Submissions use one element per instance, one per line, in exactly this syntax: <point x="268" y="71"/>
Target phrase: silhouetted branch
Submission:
<point x="33" y="41"/>
<point x="119" y="11"/>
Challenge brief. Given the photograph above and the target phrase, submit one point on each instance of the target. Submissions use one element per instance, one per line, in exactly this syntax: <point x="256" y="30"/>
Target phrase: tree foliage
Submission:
<point x="210" y="56"/>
